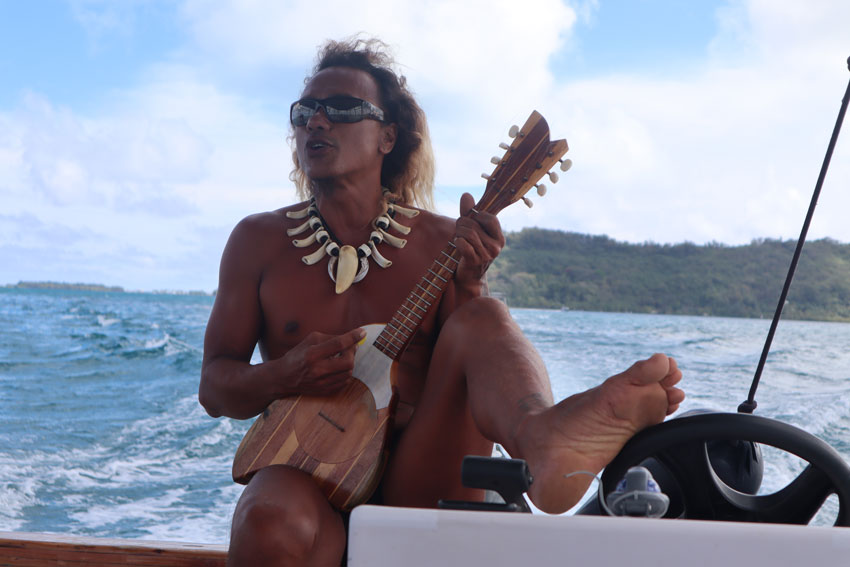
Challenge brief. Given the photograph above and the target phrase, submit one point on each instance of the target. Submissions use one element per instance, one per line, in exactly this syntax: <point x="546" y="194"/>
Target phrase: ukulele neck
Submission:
<point x="418" y="304"/>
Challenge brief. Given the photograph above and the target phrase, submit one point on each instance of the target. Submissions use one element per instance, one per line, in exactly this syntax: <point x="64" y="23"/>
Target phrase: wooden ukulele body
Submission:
<point x="339" y="440"/>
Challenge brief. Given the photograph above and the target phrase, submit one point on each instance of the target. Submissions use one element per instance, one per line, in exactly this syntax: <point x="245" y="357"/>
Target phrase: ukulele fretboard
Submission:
<point x="425" y="294"/>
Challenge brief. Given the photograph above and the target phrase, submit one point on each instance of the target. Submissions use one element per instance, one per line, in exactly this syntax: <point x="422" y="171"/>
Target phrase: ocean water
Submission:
<point x="101" y="432"/>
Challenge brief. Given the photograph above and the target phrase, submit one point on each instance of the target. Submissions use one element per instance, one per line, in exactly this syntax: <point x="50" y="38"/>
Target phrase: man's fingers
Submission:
<point x="467" y="201"/>
<point x="468" y="242"/>
<point x="478" y="234"/>
<point x="337" y="344"/>
<point x="476" y="249"/>
<point x="328" y="383"/>
<point x="490" y="223"/>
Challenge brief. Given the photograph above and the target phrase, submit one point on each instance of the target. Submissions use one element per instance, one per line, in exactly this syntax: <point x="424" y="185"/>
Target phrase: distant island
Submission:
<point x="95" y="287"/>
<point x="555" y="269"/>
<point x="64" y="285"/>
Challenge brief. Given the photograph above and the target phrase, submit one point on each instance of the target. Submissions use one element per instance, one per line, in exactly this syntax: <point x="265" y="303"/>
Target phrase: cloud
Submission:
<point x="132" y="178"/>
<point x="101" y="17"/>
<point x="449" y="44"/>
<point x="727" y="150"/>
<point x="74" y="159"/>
<point x="474" y="65"/>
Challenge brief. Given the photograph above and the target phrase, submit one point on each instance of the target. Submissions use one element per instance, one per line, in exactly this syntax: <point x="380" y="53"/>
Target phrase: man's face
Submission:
<point x="330" y="151"/>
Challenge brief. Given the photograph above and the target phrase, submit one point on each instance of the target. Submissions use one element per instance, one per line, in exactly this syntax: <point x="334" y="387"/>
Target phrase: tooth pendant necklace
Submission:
<point x="343" y="266"/>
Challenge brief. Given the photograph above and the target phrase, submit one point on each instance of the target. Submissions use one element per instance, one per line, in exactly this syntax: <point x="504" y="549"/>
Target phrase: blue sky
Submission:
<point x="135" y="134"/>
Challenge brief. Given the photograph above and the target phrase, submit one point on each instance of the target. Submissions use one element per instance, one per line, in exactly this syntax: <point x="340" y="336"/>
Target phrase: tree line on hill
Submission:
<point x="554" y="269"/>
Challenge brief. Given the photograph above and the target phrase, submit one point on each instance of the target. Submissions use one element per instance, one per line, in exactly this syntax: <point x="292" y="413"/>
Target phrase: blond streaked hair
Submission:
<point x="408" y="170"/>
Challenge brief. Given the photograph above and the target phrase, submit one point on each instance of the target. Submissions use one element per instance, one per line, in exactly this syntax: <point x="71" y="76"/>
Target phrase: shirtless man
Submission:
<point x="468" y="378"/>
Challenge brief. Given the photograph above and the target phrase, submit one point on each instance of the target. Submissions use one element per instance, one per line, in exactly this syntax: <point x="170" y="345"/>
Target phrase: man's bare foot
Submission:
<point x="585" y="431"/>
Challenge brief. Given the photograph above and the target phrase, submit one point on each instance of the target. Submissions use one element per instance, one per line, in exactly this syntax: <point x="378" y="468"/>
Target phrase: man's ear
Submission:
<point x="388" y="138"/>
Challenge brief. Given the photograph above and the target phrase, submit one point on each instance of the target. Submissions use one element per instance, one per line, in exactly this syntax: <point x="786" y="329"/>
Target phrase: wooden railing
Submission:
<point x="21" y="549"/>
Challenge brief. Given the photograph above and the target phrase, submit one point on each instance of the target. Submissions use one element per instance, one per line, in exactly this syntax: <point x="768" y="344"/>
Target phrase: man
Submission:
<point x="469" y="376"/>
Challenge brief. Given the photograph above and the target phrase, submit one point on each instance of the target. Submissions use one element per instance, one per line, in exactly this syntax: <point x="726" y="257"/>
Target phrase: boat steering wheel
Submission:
<point x="680" y="445"/>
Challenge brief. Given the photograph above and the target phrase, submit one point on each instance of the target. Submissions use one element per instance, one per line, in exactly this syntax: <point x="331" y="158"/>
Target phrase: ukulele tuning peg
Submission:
<point x="566" y="164"/>
<point x="527" y="202"/>
<point x="495" y="160"/>
<point x="553" y="177"/>
<point x="541" y="189"/>
<point x="514" y="130"/>
<point x="504" y="146"/>
<point x="486" y="176"/>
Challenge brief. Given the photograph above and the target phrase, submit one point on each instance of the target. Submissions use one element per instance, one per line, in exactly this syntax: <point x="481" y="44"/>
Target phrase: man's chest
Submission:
<point x="297" y="299"/>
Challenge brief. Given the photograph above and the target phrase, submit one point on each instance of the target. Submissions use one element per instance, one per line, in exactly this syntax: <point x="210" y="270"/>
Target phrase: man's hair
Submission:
<point x="408" y="170"/>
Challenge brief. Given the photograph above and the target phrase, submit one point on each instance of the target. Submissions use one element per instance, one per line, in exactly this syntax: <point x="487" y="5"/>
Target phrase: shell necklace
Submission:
<point x="343" y="263"/>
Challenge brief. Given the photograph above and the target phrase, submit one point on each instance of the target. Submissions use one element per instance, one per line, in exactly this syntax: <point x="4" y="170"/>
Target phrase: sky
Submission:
<point x="135" y="134"/>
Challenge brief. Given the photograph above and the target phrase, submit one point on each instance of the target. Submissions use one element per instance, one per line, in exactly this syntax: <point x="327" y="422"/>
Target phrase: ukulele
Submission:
<point x="340" y="440"/>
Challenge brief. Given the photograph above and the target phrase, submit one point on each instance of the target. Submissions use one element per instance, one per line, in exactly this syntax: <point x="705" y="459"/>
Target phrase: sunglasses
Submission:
<point x="339" y="109"/>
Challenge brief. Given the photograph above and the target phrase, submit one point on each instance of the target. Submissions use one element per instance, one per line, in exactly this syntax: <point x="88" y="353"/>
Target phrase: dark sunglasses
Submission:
<point x="338" y="109"/>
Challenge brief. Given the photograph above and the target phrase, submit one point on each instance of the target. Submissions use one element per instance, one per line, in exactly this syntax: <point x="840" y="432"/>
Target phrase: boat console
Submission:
<point x="716" y="517"/>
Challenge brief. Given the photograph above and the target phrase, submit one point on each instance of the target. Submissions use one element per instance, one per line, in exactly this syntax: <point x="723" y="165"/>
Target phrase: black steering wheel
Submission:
<point x="680" y="445"/>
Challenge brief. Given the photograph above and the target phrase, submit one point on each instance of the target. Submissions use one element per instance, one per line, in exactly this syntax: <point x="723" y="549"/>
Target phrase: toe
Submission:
<point x="651" y="370"/>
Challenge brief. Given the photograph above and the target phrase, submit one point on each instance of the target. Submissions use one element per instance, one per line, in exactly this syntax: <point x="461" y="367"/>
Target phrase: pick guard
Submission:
<point x="373" y="367"/>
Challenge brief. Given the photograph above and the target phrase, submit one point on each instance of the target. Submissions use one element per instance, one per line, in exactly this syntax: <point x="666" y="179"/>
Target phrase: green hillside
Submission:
<point x="551" y="269"/>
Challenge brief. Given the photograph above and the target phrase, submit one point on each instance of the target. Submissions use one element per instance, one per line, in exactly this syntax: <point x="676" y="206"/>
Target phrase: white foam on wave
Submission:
<point x="172" y="346"/>
<point x="120" y="472"/>
<point x="157" y="343"/>
<point x="170" y="449"/>
<point x="186" y="523"/>
<point x="165" y="517"/>
<point x="17" y="492"/>
<point x="145" y="509"/>
<point x="105" y="321"/>
<point x="166" y="476"/>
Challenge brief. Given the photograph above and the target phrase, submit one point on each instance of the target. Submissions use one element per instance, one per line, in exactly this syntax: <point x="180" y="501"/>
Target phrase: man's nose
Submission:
<point x="319" y="120"/>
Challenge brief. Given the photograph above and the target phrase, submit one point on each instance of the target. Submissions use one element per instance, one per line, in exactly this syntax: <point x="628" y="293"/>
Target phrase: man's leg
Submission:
<point x="282" y="518"/>
<point x="486" y="381"/>
<point x="480" y="363"/>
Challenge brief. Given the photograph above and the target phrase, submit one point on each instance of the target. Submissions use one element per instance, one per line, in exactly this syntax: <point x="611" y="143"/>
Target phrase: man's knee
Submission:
<point x="273" y="521"/>
<point x="478" y="314"/>
<point x="267" y="528"/>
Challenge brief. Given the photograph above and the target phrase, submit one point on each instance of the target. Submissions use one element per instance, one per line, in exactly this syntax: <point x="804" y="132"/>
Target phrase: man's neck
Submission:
<point x="349" y="210"/>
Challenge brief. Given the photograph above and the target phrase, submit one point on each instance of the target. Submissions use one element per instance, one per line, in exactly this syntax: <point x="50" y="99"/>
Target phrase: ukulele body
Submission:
<point x="339" y="440"/>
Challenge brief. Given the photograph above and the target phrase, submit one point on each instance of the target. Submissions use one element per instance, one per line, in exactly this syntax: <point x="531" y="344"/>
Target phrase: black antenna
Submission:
<point x="750" y="403"/>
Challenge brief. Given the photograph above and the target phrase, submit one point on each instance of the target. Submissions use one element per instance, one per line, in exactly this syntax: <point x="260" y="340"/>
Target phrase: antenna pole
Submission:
<point x="749" y="405"/>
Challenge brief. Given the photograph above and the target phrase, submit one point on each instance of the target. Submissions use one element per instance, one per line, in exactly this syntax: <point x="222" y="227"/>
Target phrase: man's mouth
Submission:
<point x="317" y="144"/>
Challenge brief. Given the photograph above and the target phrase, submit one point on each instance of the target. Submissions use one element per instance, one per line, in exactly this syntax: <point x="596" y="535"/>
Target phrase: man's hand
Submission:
<point x="320" y="364"/>
<point x="479" y="240"/>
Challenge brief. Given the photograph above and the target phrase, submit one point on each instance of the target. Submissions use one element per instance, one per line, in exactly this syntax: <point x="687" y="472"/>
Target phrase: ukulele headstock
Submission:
<point x="528" y="158"/>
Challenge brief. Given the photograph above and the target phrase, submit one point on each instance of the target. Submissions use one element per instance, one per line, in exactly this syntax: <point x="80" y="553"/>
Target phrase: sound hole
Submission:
<point x="335" y="429"/>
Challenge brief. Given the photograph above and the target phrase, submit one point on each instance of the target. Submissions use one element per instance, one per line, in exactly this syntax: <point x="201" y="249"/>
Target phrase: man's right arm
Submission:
<point x="230" y="385"/>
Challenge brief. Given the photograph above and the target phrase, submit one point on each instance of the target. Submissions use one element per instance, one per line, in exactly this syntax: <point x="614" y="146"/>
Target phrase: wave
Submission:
<point x="165" y="476"/>
<point x="105" y="321"/>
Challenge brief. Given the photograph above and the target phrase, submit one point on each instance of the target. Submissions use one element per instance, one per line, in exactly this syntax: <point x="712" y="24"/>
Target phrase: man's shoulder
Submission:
<point x="265" y="221"/>
<point x="434" y="223"/>
<point x="260" y="232"/>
